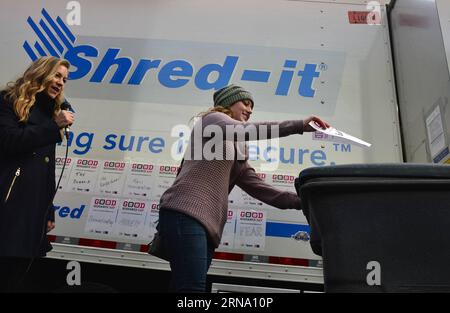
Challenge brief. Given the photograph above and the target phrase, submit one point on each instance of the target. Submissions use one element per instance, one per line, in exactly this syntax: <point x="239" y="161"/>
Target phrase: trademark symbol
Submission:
<point x="323" y="67"/>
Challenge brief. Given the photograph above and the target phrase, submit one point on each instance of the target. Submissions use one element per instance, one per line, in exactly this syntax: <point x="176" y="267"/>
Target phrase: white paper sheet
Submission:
<point x="151" y="220"/>
<point x="164" y="179"/>
<point x="139" y="182"/>
<point x="66" y="174"/>
<point x="102" y="216"/>
<point x="83" y="176"/>
<point x="240" y="198"/>
<point x="111" y="178"/>
<point x="435" y="130"/>
<point x="250" y="230"/>
<point x="131" y="219"/>
<point x="340" y="136"/>
<point x="227" y="241"/>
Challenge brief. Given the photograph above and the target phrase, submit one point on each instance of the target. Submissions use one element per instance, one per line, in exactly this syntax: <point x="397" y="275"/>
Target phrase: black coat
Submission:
<point x="25" y="204"/>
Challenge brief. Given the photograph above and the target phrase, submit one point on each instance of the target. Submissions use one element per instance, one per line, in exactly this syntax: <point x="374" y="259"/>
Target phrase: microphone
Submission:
<point x="68" y="107"/>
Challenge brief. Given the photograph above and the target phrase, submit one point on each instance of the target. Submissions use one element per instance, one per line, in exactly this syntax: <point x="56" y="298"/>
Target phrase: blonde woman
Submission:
<point x="193" y="211"/>
<point x="30" y="124"/>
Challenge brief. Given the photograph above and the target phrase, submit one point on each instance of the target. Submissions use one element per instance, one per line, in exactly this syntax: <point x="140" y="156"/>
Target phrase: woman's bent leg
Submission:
<point x="190" y="252"/>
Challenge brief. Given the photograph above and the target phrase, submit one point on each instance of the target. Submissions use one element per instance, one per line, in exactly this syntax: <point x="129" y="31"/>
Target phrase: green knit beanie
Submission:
<point x="231" y="94"/>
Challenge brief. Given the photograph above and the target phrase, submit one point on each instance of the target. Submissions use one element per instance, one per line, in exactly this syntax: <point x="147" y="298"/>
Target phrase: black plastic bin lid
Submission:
<point x="387" y="170"/>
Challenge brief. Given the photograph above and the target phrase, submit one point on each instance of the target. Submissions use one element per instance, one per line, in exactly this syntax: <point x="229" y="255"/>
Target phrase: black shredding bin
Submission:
<point x="380" y="227"/>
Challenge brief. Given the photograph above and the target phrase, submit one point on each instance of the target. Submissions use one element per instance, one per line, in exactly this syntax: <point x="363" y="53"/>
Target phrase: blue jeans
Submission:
<point x="189" y="249"/>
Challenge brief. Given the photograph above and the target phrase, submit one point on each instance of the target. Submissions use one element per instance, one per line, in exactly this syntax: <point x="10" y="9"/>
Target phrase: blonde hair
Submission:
<point x="217" y="108"/>
<point x="37" y="77"/>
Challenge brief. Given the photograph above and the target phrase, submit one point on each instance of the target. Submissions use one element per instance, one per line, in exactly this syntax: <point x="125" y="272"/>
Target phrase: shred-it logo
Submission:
<point x="55" y="38"/>
<point x="284" y="76"/>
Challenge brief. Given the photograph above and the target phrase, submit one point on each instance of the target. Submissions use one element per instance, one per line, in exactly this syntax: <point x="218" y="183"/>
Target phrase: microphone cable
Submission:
<point x="50" y="205"/>
<point x="64" y="164"/>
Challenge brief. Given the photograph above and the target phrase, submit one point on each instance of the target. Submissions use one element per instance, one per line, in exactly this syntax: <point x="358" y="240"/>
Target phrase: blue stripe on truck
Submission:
<point x="284" y="230"/>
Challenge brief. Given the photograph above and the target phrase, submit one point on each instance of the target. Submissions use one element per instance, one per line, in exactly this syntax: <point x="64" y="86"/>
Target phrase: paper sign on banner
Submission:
<point x="139" y="182"/>
<point x="165" y="178"/>
<point x="102" y="216"/>
<point x="435" y="132"/>
<point x="249" y="200"/>
<point x="282" y="181"/>
<point x="111" y="178"/>
<point x="227" y="241"/>
<point x="83" y="176"/>
<point x="151" y="220"/>
<point x="131" y="219"/>
<point x="59" y="163"/>
<point x="241" y="198"/>
<point x="340" y="136"/>
<point x="235" y="196"/>
<point x="250" y="230"/>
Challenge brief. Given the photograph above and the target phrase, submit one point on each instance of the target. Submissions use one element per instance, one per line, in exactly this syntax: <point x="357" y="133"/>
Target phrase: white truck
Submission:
<point x="141" y="70"/>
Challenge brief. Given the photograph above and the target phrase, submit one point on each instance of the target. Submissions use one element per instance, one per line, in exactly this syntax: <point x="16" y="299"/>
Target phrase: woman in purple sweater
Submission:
<point x="193" y="211"/>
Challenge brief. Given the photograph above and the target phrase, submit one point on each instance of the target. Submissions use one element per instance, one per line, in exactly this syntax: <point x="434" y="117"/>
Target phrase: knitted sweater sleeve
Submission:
<point x="244" y="131"/>
<point x="257" y="188"/>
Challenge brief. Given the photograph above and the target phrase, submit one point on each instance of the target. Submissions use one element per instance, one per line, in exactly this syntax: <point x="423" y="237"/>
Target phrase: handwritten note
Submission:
<point x="239" y="197"/>
<point x="102" y="216"/>
<point x="139" y="182"/>
<point x="151" y="220"/>
<point x="250" y="230"/>
<point x="59" y="163"/>
<point x="83" y="176"/>
<point x="131" y="219"/>
<point x="235" y="197"/>
<point x="165" y="177"/>
<point x="227" y="242"/>
<point x="283" y="182"/>
<point x="111" y="178"/>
